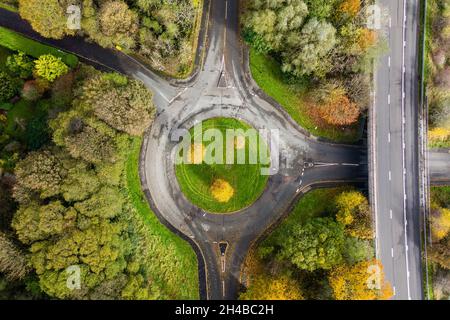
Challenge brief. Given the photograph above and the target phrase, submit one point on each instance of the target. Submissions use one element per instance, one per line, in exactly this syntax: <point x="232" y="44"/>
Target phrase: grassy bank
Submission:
<point x="173" y="262"/>
<point x="17" y="42"/>
<point x="269" y="77"/>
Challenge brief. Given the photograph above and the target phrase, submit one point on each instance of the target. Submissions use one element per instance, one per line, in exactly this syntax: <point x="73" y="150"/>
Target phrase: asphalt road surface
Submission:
<point x="223" y="87"/>
<point x="396" y="168"/>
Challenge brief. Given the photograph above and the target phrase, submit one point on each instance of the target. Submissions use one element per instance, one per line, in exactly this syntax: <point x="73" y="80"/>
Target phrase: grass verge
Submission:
<point x="268" y="75"/>
<point x="17" y="42"/>
<point x="172" y="261"/>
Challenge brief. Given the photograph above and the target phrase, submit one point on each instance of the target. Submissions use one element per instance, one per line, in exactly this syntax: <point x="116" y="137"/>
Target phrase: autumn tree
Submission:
<point x="268" y="287"/>
<point x="440" y="222"/>
<point x="126" y="105"/>
<point x="440" y="253"/>
<point x="331" y="103"/>
<point x="354" y="212"/>
<point x="40" y="172"/>
<point x="318" y="244"/>
<point x="350" y="7"/>
<point x="362" y="281"/>
<point x="48" y="17"/>
<point x="13" y="261"/>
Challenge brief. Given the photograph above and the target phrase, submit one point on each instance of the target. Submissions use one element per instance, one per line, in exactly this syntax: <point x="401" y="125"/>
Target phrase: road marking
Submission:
<point x="389" y="61"/>
<point x="174" y="98"/>
<point x="226" y="10"/>
<point x="390" y="213"/>
<point x="389" y="99"/>
<point x="223" y="288"/>
<point x="392" y="252"/>
<point x="393" y="289"/>
<point x="390" y="176"/>
<point x="351" y="164"/>
<point x="389" y="137"/>
<point x="223" y="265"/>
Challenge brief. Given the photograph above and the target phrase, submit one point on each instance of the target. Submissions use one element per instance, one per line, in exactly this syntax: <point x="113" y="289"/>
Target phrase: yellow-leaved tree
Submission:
<point x="266" y="287"/>
<point x="362" y="281"/>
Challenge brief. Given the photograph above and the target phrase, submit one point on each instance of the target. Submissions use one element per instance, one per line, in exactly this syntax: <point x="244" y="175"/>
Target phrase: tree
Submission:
<point x="350" y="7"/>
<point x="50" y="67"/>
<point x="318" y="244"/>
<point x="34" y="222"/>
<point x="80" y="183"/>
<point x="118" y="23"/>
<point x="363" y="281"/>
<point x="20" y="64"/>
<point x="354" y="213"/>
<point x="13" y="261"/>
<point x="331" y="103"/>
<point x="307" y="49"/>
<point x="321" y="9"/>
<point x="440" y="253"/>
<point x="41" y="172"/>
<point x="268" y="287"/>
<point x="440" y="222"/>
<point x="48" y="17"/>
<point x="7" y="87"/>
<point x="357" y="250"/>
<point x="126" y="105"/>
<point x="84" y="137"/>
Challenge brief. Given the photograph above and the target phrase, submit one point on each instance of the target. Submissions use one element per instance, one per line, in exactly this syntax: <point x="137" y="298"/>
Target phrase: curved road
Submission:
<point x="221" y="87"/>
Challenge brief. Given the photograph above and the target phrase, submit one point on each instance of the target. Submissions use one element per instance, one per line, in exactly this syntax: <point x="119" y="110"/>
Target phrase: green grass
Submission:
<point x="172" y="262"/>
<point x="268" y="75"/>
<point x="17" y="42"/>
<point x="8" y="7"/>
<point x="246" y="179"/>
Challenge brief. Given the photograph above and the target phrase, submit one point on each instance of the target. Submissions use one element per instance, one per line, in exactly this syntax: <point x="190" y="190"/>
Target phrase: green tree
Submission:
<point x="20" y="64"/>
<point x="318" y="244"/>
<point x="50" y="67"/>
<point x="357" y="250"/>
<point x="7" y="87"/>
<point x="307" y="50"/>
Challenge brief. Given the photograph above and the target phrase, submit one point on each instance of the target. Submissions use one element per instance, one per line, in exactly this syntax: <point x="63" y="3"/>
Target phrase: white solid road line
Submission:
<point x="404" y="150"/>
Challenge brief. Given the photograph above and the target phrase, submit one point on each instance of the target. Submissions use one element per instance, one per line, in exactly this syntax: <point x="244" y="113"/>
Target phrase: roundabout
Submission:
<point x="211" y="181"/>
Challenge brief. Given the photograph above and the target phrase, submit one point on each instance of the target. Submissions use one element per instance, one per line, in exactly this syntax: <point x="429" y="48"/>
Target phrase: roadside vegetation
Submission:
<point x="161" y="33"/>
<point x="70" y="192"/>
<point x="221" y="187"/>
<point x="313" y="57"/>
<point x="438" y="72"/>
<point x="438" y="251"/>
<point x="322" y="250"/>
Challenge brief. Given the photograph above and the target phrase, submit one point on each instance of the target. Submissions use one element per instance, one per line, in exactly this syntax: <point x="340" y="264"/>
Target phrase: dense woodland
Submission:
<point x="323" y="43"/>
<point x="65" y="198"/>
<point x="323" y="250"/>
<point x="160" y="32"/>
